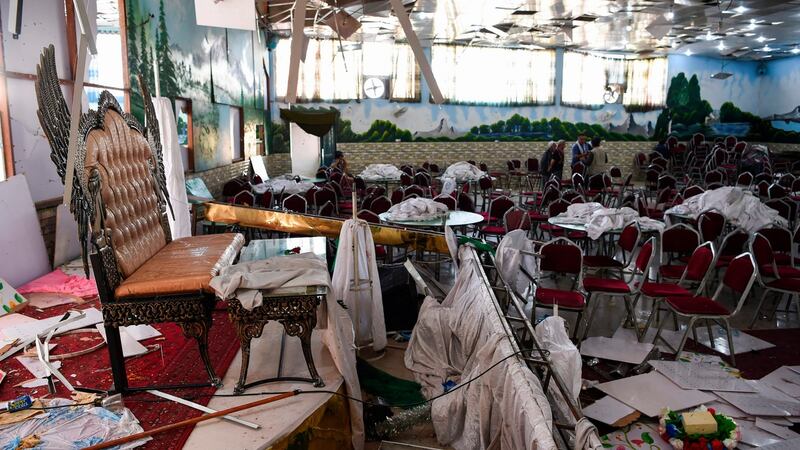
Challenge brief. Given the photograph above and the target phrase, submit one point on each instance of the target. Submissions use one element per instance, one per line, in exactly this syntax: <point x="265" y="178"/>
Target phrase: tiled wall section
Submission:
<point x="494" y="154"/>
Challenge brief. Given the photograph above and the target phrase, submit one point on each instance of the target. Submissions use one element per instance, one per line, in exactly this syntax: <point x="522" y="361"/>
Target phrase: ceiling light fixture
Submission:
<point x="741" y="9"/>
<point x="767" y="48"/>
<point x="795" y="51"/>
<point x="721" y="46"/>
<point x="688" y="52"/>
<point x="761" y="38"/>
<point x="670" y="15"/>
<point x="629" y="27"/>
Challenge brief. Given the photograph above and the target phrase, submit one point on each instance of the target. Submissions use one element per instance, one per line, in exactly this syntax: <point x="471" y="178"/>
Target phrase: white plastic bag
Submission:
<point x="551" y="334"/>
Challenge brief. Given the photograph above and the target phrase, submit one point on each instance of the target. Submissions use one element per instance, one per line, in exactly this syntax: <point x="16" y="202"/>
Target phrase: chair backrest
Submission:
<point x="711" y="224"/>
<point x="532" y="164"/>
<point x="368" y="216"/>
<point x="324" y="195"/>
<point x="644" y="259"/>
<point x="516" y="219"/>
<point x="561" y="256"/>
<point x="679" y="239"/>
<point x="397" y="196"/>
<point x="691" y="191"/>
<point x="745" y="179"/>
<point x="550" y="193"/>
<point x="517" y="163"/>
<point x="739" y="278"/>
<point x="434" y="168"/>
<point x="499" y="206"/>
<point x="597" y="181"/>
<point x="336" y="176"/>
<point x="446" y="200"/>
<point x="664" y="196"/>
<point x="465" y="202"/>
<point x="660" y="162"/>
<point x="699" y="265"/>
<point x="762" y="252"/>
<point x="666" y="181"/>
<point x="296" y="203"/>
<point x="786" y="180"/>
<point x="730" y="141"/>
<point x="570" y="195"/>
<point x="629" y="238"/>
<point x="557" y="207"/>
<point x="413" y="190"/>
<point x="337" y="188"/>
<point x="780" y="239"/>
<point x="482" y="166"/>
<point x="380" y="205"/>
<point x="327" y="210"/>
<point x="485" y="183"/>
<point x="734" y="243"/>
<point x="266" y="199"/>
<point x="406" y="179"/>
<point x="245" y="198"/>
<point x="406" y="169"/>
<point x="579" y="167"/>
<point x="782" y="206"/>
<point x="422" y="179"/>
<point x="114" y="156"/>
<point x="510" y="165"/>
<point x="777" y="191"/>
<point x="615" y="172"/>
<point x="360" y="184"/>
<point x="714" y="176"/>
<point x="578" y="181"/>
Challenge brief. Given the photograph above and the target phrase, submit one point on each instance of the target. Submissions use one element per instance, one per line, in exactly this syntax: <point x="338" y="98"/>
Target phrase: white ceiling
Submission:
<point x="742" y="29"/>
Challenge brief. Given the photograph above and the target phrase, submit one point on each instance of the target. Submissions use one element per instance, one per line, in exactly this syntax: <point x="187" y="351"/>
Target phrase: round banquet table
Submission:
<point x="384" y="181"/>
<point x="454" y="219"/>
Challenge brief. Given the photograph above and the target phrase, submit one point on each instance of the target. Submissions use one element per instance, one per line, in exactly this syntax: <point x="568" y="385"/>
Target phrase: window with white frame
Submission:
<point x="493" y="75"/>
<point x="586" y="76"/>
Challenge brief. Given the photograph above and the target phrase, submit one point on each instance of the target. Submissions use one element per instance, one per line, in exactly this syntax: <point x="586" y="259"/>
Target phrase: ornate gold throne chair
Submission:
<point x="119" y="199"/>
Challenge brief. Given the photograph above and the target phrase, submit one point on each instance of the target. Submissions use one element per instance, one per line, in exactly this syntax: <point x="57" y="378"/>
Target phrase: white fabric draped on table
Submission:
<point x="245" y="279"/>
<point x="461" y="338"/>
<point x="380" y="172"/>
<point x="463" y="171"/>
<point x="419" y="209"/>
<point x="740" y="207"/>
<point x="509" y="257"/>
<point x="288" y="187"/>
<point x="598" y="219"/>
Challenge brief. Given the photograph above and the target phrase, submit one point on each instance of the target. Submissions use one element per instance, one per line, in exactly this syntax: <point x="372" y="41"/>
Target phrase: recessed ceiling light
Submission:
<point x="795" y="51"/>
<point x="741" y="9"/>
<point x="761" y="39"/>
<point x="721" y="46"/>
<point x="777" y="23"/>
<point x="629" y="28"/>
<point x="688" y="52"/>
<point x="767" y="48"/>
<point x="670" y="15"/>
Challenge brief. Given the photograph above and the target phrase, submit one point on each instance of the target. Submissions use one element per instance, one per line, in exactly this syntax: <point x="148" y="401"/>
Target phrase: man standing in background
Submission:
<point x="581" y="151"/>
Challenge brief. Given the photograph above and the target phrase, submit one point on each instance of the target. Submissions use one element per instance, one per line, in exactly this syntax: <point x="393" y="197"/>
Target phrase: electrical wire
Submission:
<point x="301" y="392"/>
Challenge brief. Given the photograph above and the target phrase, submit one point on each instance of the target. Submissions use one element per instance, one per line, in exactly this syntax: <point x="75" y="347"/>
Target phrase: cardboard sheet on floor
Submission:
<point x="672" y="337"/>
<point x="615" y="349"/>
<point x="758" y="404"/>
<point x="23" y="255"/>
<point x="742" y="342"/>
<point x="752" y="435"/>
<point x="785" y="380"/>
<point x="791" y="444"/>
<point x="141" y="332"/>
<point x="777" y="430"/>
<point x="707" y="377"/>
<point x="651" y="392"/>
<point x="29" y="329"/>
<point x="35" y="366"/>
<point x="130" y="346"/>
<point x="67" y="244"/>
<point x="608" y="410"/>
<point x="727" y="409"/>
<point x="44" y="300"/>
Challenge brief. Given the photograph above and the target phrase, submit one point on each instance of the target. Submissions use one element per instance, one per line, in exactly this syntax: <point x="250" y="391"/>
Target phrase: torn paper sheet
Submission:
<point x="141" y="332"/>
<point x="29" y="330"/>
<point x="130" y="347"/>
<point x="777" y="430"/>
<point x="608" y="410"/>
<point x="651" y="392"/>
<point x="752" y="435"/>
<point x="742" y="342"/>
<point x="756" y="404"/>
<point x="707" y="377"/>
<point x="785" y="380"/>
<point x="35" y="366"/>
<point x="616" y="349"/>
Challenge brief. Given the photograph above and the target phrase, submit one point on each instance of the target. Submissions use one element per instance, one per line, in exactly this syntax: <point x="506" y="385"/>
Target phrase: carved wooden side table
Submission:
<point x="295" y="308"/>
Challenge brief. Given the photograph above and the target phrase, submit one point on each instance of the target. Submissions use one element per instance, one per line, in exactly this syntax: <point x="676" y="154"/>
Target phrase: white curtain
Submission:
<point x="180" y="224"/>
<point x="492" y="75"/>
<point x="405" y="74"/>
<point x="329" y="72"/>
<point x="647" y="82"/>
<point x="586" y="77"/>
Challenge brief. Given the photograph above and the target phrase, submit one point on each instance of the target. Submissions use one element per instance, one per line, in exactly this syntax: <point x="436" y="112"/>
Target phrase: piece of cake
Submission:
<point x="701" y="422"/>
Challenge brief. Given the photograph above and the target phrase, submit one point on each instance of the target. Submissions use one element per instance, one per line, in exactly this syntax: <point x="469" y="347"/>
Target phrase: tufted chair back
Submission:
<point x="123" y="159"/>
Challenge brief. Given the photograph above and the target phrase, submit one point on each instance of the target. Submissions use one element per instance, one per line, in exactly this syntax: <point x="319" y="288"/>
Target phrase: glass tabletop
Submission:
<point x="454" y="219"/>
<point x="267" y="248"/>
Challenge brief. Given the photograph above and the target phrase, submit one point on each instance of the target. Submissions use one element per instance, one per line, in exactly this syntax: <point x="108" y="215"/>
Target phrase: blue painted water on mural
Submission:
<point x="788" y="126"/>
<point x="731" y="128"/>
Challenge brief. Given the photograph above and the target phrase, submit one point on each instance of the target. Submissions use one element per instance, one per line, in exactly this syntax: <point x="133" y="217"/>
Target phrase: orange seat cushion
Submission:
<point x="183" y="266"/>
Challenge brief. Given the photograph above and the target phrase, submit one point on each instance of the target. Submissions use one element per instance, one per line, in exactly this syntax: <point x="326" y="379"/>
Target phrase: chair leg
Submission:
<point x="661" y="327"/>
<point x="199" y="331"/>
<point x="710" y="334"/>
<point x="758" y="308"/>
<point x="685" y="337"/>
<point x="589" y="316"/>
<point x="730" y="341"/>
<point x="117" y="359"/>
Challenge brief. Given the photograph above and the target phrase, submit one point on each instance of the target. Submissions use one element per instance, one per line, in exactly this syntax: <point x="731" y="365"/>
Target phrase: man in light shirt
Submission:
<point x="581" y="151"/>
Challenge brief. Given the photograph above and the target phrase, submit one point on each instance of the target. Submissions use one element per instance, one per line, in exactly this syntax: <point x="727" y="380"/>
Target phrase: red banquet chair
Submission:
<point x="625" y="248"/>
<point x="677" y="241"/>
<point x="295" y="203"/>
<point x="739" y="279"/>
<point x="380" y="205"/>
<point x="694" y="277"/>
<point x="769" y="277"/>
<point x="711" y="225"/>
<point x="563" y="257"/>
<point x="613" y="287"/>
<point x="764" y="255"/>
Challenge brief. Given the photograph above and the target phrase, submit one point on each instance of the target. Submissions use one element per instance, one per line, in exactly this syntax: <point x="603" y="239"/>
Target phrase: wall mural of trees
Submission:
<point x="182" y="49"/>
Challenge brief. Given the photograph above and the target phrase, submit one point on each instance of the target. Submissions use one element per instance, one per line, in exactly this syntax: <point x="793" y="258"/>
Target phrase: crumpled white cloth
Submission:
<point x="420" y="209"/>
<point x="599" y="219"/>
<point x="180" y="223"/>
<point x="338" y="336"/>
<point x="740" y="207"/>
<point x="448" y="185"/>
<point x="246" y="280"/>
<point x="364" y="304"/>
<point x="381" y="172"/>
<point x="463" y="171"/>
<point x="459" y="339"/>
<point x="509" y="258"/>
<point x="288" y="187"/>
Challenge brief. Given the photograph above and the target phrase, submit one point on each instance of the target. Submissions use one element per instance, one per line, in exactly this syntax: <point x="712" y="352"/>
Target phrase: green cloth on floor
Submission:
<point x="477" y="243"/>
<point x="395" y="391"/>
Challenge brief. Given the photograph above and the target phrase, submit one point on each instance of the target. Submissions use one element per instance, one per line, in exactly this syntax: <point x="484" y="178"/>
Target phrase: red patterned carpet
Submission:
<point x="177" y="361"/>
